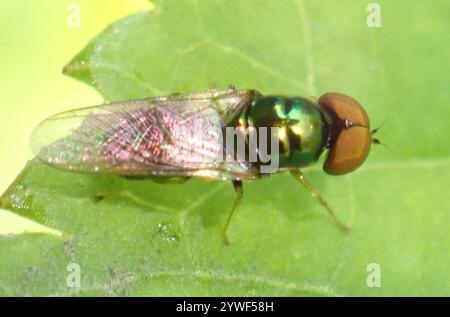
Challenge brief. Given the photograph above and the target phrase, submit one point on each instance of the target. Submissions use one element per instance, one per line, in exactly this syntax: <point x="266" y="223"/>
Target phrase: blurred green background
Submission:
<point x="36" y="41"/>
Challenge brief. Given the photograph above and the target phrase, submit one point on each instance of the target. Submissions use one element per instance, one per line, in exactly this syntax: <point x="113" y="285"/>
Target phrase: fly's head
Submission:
<point x="349" y="135"/>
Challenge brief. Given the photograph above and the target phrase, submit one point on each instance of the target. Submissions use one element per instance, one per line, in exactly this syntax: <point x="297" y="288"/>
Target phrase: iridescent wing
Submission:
<point x="179" y="135"/>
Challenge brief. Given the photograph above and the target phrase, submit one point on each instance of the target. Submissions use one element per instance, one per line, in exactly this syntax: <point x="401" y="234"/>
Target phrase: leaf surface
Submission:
<point x="165" y="239"/>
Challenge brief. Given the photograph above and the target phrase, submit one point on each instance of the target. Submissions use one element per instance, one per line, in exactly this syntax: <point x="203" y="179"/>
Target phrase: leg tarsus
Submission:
<point x="238" y="189"/>
<point x="298" y="175"/>
<point x="98" y="197"/>
<point x="106" y="195"/>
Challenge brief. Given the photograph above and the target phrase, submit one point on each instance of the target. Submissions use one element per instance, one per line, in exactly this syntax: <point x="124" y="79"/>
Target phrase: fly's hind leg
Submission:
<point x="238" y="189"/>
<point x="105" y="195"/>
<point x="125" y="189"/>
<point x="298" y="175"/>
<point x="100" y="196"/>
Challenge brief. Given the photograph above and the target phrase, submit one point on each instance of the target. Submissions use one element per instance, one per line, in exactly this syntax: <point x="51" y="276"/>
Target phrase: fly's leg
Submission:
<point x="107" y="195"/>
<point x="238" y="189"/>
<point x="114" y="193"/>
<point x="298" y="175"/>
<point x="100" y="196"/>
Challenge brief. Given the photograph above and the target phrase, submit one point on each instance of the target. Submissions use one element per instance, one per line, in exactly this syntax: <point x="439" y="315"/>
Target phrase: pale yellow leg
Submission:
<point x="298" y="175"/>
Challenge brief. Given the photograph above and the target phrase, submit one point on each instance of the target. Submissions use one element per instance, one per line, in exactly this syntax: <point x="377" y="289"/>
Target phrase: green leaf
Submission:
<point x="165" y="239"/>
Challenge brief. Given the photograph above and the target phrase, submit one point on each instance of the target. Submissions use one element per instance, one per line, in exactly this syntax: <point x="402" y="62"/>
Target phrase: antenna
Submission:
<point x="376" y="140"/>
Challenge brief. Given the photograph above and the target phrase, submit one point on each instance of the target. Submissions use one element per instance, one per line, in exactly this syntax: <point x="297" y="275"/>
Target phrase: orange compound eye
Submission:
<point x="350" y="137"/>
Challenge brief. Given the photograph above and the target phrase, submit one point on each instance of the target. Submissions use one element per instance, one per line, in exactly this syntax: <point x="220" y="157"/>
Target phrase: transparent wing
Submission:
<point x="179" y="135"/>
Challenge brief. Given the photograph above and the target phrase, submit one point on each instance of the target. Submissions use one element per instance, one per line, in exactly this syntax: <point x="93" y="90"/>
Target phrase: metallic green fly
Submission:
<point x="231" y="134"/>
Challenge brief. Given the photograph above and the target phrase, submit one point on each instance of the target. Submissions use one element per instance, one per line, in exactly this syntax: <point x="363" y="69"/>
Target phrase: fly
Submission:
<point x="187" y="135"/>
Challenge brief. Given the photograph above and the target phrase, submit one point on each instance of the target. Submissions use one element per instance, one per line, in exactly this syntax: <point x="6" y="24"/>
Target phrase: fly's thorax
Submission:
<point x="300" y="129"/>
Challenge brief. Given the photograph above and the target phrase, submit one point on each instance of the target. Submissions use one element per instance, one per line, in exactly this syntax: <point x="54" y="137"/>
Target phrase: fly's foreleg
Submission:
<point x="298" y="175"/>
<point x="238" y="189"/>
